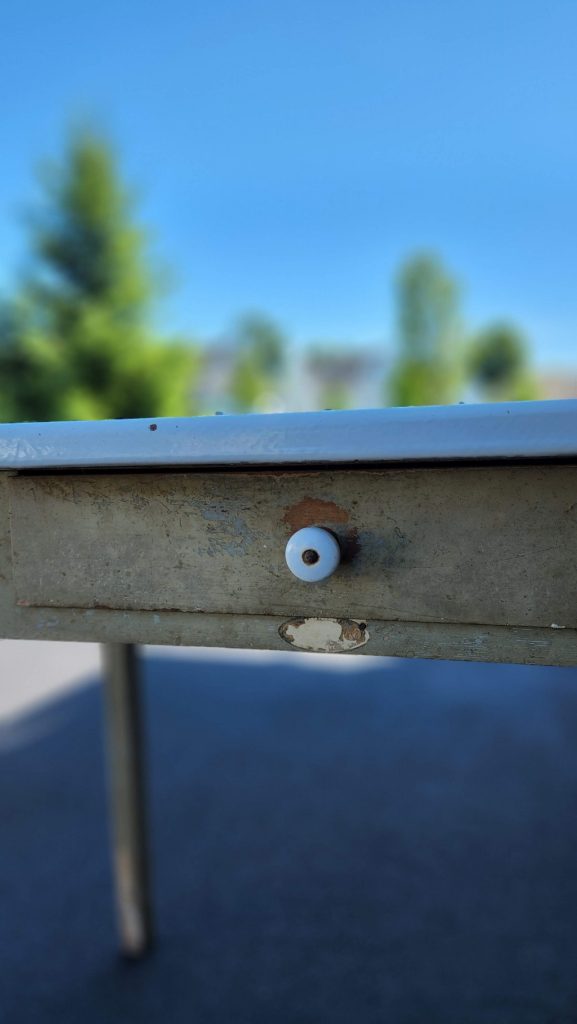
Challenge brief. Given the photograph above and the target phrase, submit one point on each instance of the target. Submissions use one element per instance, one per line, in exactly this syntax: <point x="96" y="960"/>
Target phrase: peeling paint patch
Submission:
<point x="329" y="636"/>
<point x="314" y="512"/>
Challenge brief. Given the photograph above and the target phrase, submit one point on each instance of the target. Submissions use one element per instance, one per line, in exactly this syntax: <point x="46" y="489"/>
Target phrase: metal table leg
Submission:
<point x="127" y="797"/>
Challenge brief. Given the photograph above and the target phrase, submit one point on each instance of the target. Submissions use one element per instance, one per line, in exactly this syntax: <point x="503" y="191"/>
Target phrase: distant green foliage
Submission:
<point x="498" y="364"/>
<point x="259" y="363"/>
<point x="429" y="365"/>
<point x="75" y="343"/>
<point x="76" y="340"/>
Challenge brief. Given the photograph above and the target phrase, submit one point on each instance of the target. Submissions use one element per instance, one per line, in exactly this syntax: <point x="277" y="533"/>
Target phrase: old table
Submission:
<point x="451" y="533"/>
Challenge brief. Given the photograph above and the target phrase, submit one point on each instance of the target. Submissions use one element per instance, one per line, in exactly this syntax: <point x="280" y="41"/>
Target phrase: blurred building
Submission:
<point x="557" y="384"/>
<point x="212" y="386"/>
<point x="325" y="377"/>
<point x="344" y="376"/>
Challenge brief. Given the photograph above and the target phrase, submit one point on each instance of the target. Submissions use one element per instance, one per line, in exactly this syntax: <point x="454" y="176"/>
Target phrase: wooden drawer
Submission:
<point x="495" y="545"/>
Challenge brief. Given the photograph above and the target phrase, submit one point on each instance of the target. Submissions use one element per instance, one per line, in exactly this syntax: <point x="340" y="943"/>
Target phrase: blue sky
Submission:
<point x="290" y="155"/>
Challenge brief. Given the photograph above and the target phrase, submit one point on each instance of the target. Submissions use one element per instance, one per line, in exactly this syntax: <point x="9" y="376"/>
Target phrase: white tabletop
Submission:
<point x="517" y="430"/>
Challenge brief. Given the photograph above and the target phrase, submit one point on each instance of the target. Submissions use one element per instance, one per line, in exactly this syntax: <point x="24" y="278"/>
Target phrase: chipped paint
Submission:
<point x="329" y="636"/>
<point x="313" y="512"/>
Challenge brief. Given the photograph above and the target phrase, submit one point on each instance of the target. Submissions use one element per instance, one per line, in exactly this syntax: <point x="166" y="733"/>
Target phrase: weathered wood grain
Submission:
<point x="495" y="545"/>
<point x="259" y="632"/>
<point x="471" y="642"/>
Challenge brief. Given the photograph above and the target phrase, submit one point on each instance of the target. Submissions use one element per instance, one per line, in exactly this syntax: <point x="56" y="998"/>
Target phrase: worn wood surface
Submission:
<point x="475" y="642"/>
<point x="258" y="632"/>
<point x="490" y="545"/>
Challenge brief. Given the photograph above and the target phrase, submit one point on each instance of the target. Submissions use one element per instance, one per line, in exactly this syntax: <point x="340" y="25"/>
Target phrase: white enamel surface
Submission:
<point x="501" y="431"/>
<point x="327" y="636"/>
<point x="316" y="539"/>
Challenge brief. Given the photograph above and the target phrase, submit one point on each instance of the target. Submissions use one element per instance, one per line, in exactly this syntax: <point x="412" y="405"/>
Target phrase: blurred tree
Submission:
<point x="498" y="364"/>
<point x="75" y="343"/>
<point x="429" y="363"/>
<point x="258" y="365"/>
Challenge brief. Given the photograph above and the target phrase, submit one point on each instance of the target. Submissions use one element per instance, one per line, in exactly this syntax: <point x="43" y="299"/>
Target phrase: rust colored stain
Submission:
<point x="314" y="512"/>
<point x="352" y="631"/>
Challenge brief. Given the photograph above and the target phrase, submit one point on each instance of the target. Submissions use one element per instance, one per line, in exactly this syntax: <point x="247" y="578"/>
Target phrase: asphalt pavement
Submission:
<point x="350" y="841"/>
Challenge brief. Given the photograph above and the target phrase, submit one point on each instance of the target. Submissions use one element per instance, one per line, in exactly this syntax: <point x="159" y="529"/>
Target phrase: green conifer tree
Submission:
<point x="76" y="343"/>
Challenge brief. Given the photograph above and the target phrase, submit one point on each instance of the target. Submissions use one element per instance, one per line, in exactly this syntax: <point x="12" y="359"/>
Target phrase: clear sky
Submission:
<point x="290" y="154"/>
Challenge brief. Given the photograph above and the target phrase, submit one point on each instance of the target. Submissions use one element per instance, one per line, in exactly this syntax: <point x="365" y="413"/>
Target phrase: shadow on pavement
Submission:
<point x="396" y="843"/>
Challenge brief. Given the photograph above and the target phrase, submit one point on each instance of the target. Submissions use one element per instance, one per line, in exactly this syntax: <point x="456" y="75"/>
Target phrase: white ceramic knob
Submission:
<point x="312" y="554"/>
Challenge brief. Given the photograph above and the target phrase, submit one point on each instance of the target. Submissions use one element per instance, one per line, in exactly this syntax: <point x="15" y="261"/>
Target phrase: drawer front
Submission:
<point x="493" y="545"/>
